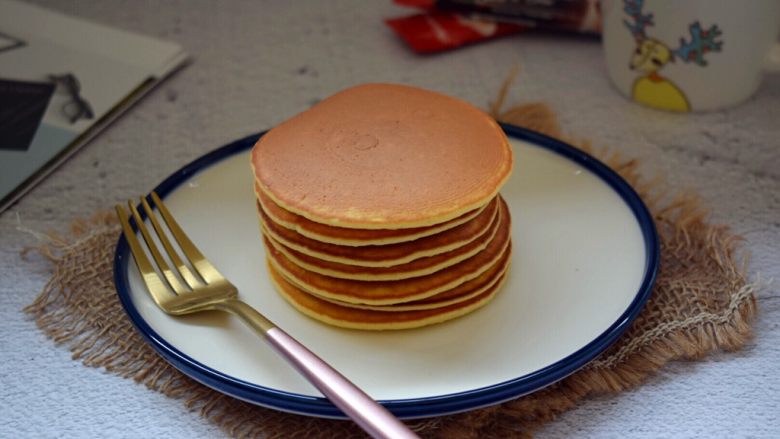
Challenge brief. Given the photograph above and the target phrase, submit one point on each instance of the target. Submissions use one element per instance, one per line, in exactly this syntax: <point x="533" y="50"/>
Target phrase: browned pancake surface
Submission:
<point x="418" y="267"/>
<point x="462" y="292"/>
<point x="389" y="292"/>
<point x="385" y="255"/>
<point x="355" y="237"/>
<point x="334" y="314"/>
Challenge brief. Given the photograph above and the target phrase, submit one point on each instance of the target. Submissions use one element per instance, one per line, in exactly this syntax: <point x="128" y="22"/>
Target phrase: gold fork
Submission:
<point x="210" y="290"/>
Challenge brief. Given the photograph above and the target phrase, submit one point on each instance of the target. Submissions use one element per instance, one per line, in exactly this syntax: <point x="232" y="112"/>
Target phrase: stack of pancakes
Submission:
<point x="379" y="207"/>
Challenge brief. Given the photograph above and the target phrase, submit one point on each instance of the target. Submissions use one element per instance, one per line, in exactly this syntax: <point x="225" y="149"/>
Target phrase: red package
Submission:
<point x="437" y="31"/>
<point x="447" y="24"/>
<point x="427" y="5"/>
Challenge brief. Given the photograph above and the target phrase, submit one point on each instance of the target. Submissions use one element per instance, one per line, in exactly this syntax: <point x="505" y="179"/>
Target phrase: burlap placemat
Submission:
<point x="702" y="302"/>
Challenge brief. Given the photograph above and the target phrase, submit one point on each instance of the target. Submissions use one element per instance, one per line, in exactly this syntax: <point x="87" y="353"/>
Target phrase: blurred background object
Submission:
<point x="448" y="24"/>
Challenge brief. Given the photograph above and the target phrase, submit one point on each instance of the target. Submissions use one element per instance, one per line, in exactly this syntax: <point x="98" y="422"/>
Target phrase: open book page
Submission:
<point x="62" y="79"/>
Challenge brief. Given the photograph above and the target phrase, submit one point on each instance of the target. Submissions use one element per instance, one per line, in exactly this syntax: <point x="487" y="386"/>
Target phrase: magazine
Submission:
<point x="63" y="80"/>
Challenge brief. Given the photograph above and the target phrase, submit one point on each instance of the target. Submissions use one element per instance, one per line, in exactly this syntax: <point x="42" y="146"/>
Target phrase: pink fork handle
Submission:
<point x="367" y="413"/>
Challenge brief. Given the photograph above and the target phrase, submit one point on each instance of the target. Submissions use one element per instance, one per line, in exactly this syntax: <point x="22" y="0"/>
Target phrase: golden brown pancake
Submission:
<point x="384" y="255"/>
<point x="399" y="291"/>
<point x="345" y="317"/>
<point x="415" y="268"/>
<point x="462" y="292"/>
<point x="383" y="156"/>
<point x="353" y="237"/>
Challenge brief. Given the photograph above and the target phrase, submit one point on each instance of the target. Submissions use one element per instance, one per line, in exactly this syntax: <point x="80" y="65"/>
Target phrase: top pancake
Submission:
<point x="383" y="156"/>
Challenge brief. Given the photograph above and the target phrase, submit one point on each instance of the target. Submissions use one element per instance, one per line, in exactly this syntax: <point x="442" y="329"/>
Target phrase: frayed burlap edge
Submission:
<point x="701" y="303"/>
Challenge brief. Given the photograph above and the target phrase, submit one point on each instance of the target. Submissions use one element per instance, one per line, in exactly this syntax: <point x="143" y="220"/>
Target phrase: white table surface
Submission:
<point x="257" y="64"/>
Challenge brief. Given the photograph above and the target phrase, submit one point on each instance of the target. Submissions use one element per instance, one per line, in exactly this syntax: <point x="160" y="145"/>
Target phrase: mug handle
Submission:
<point x="772" y="62"/>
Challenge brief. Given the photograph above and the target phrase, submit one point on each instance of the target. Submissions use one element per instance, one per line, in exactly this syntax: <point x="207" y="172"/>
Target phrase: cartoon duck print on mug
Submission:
<point x="689" y="55"/>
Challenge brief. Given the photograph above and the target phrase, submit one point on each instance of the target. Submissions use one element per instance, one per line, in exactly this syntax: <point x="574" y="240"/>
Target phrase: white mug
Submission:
<point x="690" y="55"/>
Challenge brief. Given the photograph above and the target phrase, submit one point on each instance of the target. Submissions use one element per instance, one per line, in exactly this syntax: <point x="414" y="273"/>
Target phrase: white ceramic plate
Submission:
<point x="585" y="255"/>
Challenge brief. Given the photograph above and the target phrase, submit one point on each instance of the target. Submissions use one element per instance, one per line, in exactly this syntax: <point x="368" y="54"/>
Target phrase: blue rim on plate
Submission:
<point x="417" y="407"/>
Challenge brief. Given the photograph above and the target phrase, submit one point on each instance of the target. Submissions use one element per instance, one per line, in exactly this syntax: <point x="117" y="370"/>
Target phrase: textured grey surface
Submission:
<point x="256" y="64"/>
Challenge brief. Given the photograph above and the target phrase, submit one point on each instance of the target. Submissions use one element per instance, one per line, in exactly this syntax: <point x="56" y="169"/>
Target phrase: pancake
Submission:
<point x="353" y="237"/>
<point x="415" y="268"/>
<point x="462" y="292"/>
<point x="345" y="317"/>
<point x="384" y="255"/>
<point x="399" y="291"/>
<point x="383" y="156"/>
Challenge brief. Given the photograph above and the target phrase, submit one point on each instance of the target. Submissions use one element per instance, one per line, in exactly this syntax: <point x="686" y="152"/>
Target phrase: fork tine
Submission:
<point x="171" y="278"/>
<point x="207" y="271"/>
<point x="184" y="271"/>
<point x="154" y="284"/>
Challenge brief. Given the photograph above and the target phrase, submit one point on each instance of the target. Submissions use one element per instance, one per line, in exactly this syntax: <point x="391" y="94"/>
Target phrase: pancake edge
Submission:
<point x="440" y="318"/>
<point x="392" y="276"/>
<point x="383" y="263"/>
